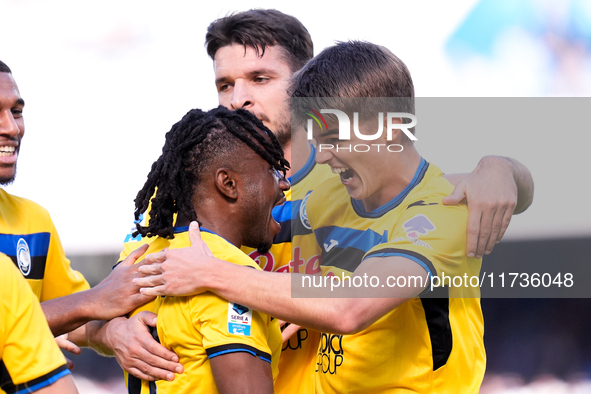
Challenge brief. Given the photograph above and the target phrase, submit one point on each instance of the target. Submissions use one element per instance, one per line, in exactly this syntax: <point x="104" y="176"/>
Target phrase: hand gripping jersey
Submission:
<point x="198" y="328"/>
<point x="426" y="345"/>
<point x="29" y="356"/>
<point x="29" y="238"/>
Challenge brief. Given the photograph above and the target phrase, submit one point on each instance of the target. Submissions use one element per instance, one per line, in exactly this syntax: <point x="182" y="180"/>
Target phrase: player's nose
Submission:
<point x="284" y="184"/>
<point x="8" y="125"/>
<point x="241" y="96"/>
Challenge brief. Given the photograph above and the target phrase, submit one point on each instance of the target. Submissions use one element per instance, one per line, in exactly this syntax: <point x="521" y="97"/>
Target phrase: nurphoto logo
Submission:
<point x="345" y="129"/>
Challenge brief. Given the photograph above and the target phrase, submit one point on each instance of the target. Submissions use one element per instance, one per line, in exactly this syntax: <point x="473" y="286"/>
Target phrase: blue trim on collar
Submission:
<point x="393" y="203"/>
<point x="304" y="171"/>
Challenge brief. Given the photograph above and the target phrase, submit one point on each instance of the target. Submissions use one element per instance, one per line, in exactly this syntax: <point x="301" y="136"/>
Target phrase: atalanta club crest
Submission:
<point x="304" y="212"/>
<point x="23" y="257"/>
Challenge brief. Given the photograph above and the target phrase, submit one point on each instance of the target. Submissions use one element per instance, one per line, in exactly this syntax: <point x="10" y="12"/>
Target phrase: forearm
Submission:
<point x="318" y="308"/>
<point x="96" y="336"/>
<point x="66" y="314"/>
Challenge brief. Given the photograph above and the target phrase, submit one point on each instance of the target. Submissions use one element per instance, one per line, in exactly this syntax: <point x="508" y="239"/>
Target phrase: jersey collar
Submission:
<point x="393" y="203"/>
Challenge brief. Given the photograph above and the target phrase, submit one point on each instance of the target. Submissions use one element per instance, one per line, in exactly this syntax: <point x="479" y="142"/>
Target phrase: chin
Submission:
<point x="264" y="247"/>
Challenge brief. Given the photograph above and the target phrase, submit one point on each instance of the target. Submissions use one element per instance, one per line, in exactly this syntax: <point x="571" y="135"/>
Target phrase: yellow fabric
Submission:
<point x="28" y="351"/>
<point x="193" y="326"/>
<point x="298" y="356"/>
<point x="395" y="353"/>
<point x="302" y="254"/>
<point x="26" y="230"/>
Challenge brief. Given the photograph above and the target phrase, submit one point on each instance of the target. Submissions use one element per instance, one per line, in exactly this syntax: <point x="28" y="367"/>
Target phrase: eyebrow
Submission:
<point x="260" y="71"/>
<point x="328" y="132"/>
<point x="20" y="101"/>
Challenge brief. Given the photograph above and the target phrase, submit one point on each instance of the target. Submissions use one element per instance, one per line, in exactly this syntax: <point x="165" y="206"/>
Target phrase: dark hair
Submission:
<point x="352" y="69"/>
<point x="198" y="141"/>
<point x="258" y="29"/>
<point x="4" y="68"/>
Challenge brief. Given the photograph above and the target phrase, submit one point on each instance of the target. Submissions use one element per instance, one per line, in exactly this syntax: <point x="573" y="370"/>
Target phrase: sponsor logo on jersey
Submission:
<point x="330" y="354"/>
<point x="418" y="225"/>
<point x="333" y="243"/>
<point x="239" y="319"/>
<point x="23" y="256"/>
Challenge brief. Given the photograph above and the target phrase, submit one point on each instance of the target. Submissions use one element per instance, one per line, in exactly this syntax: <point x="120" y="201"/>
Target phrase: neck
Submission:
<point x="297" y="151"/>
<point x="393" y="183"/>
<point x="213" y="222"/>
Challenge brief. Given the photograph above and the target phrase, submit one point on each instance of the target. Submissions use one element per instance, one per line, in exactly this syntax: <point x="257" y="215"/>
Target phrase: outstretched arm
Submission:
<point x="498" y="188"/>
<point x="114" y="296"/>
<point x="194" y="269"/>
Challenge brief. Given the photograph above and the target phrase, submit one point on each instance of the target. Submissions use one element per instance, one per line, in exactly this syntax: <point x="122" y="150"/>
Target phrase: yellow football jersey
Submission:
<point x="29" y="238"/>
<point x="427" y="345"/>
<point x="198" y="328"/>
<point x="298" y="356"/>
<point x="29" y="356"/>
<point x="294" y="250"/>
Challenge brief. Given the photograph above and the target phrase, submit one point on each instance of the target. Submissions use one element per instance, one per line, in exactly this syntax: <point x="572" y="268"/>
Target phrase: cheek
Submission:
<point x="224" y="99"/>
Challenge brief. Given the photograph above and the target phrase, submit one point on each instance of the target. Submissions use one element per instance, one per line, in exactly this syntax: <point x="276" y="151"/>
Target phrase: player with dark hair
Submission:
<point x="252" y="71"/>
<point x="225" y="169"/>
<point x="259" y="29"/>
<point x="364" y="218"/>
<point x="29" y="238"/>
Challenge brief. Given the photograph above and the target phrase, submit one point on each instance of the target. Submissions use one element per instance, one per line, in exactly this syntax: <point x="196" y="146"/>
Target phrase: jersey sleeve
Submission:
<point x="228" y="327"/>
<point x="30" y="357"/>
<point x="60" y="279"/>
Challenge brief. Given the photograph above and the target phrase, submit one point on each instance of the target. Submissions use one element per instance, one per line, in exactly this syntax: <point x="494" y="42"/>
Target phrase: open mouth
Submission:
<point x="280" y="201"/>
<point x="345" y="173"/>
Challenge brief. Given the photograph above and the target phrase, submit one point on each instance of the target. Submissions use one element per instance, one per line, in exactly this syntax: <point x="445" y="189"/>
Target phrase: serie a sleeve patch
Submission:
<point x="239" y="319"/>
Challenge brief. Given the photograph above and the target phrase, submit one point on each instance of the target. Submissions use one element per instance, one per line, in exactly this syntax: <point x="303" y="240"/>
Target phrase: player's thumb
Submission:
<point x="148" y="318"/>
<point x="194" y="233"/>
<point x="136" y="254"/>
<point x="455" y="197"/>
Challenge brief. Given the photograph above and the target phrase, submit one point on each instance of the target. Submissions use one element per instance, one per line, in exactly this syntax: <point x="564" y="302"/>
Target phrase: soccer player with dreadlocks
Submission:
<point x="226" y="170"/>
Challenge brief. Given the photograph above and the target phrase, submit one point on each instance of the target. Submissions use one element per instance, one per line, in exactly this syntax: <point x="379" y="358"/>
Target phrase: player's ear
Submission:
<point x="225" y="181"/>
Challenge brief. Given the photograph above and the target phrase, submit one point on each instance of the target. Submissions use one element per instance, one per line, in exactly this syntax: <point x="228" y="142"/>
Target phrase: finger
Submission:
<point x="70" y="364"/>
<point x="194" y="233"/>
<point x="157" y="257"/>
<point x="148" y="281"/>
<point x="486" y="223"/>
<point x="150" y="268"/>
<point x="137" y="372"/>
<point x="136" y="254"/>
<point x="153" y="291"/>
<point x="473" y="231"/>
<point x="281" y="322"/>
<point x="497" y="225"/>
<point x="64" y="343"/>
<point x="148" y="318"/>
<point x="157" y="366"/>
<point x="506" y="220"/>
<point x="289" y="331"/>
<point x="455" y="197"/>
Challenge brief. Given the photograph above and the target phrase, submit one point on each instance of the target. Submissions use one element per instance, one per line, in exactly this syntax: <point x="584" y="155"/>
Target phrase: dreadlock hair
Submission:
<point x="192" y="145"/>
<point x="4" y="68"/>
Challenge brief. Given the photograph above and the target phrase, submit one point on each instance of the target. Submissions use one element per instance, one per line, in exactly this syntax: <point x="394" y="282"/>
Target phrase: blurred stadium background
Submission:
<point x="105" y="80"/>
